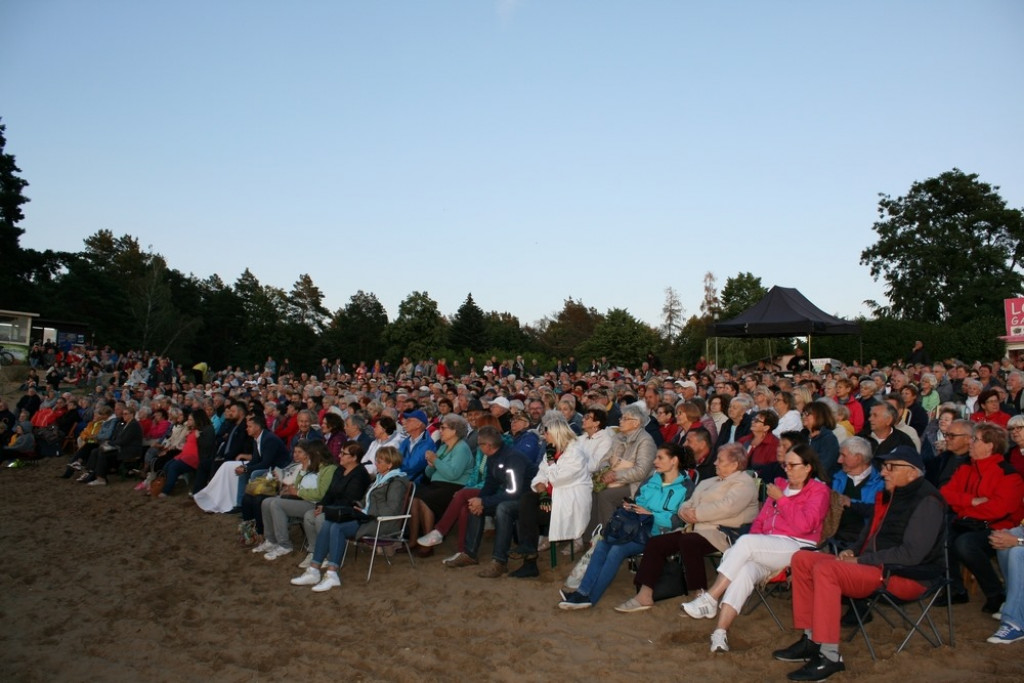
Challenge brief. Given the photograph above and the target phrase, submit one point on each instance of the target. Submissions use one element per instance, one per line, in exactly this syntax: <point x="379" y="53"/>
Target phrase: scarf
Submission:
<point x="380" y="481"/>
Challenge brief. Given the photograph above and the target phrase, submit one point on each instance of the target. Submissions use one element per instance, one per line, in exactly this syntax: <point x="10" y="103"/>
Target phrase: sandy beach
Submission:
<point x="103" y="584"/>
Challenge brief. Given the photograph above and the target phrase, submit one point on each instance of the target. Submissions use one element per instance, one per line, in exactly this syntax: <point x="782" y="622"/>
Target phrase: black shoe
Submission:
<point x="992" y="605"/>
<point x="960" y="598"/>
<point x="850" y="619"/>
<point x="237" y="510"/>
<point x="800" y="651"/>
<point x="68" y="473"/>
<point x="529" y="570"/>
<point x="817" y="669"/>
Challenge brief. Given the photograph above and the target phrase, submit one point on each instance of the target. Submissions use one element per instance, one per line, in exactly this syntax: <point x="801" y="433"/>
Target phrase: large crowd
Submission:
<point x="831" y="476"/>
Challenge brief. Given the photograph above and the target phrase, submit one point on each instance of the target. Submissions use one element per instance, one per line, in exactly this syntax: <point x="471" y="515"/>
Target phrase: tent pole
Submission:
<point x="809" y="354"/>
<point x="716" y="354"/>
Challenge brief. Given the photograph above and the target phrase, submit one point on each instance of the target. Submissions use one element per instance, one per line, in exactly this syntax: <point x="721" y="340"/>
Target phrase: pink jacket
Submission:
<point x="800" y="516"/>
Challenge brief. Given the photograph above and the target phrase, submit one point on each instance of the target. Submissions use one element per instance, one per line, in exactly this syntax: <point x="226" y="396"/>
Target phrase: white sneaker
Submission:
<point x="431" y="539"/>
<point x="263" y="547"/>
<point x="719" y="641"/>
<point x="276" y="552"/>
<point x="306" y="562"/>
<point x="998" y="615"/>
<point x="329" y="581"/>
<point x="702" y="607"/>
<point x="310" y="577"/>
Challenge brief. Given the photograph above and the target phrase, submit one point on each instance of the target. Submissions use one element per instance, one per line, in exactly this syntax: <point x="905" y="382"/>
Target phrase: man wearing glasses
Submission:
<point x="940" y="470"/>
<point x="906" y="529"/>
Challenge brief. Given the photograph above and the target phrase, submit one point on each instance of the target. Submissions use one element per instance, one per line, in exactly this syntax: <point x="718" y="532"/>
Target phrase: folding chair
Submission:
<point x="387" y="542"/>
<point x="938" y="582"/>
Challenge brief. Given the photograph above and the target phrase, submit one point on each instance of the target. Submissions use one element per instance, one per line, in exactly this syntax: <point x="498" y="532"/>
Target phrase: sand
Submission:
<point x="101" y="583"/>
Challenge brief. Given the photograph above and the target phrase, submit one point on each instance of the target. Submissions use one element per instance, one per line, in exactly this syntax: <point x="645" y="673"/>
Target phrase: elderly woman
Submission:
<point x="1015" y="455"/>
<point x="990" y="409"/>
<point x="385" y="433"/>
<point x="627" y="464"/>
<point x="158" y="455"/>
<point x="22" y="443"/>
<point x="567" y="407"/>
<point x="792" y="518"/>
<point x="296" y="499"/>
<point x="790" y="419"/>
<point x="560" y="494"/>
<point x="929" y="395"/>
<point x="727" y="500"/>
<point x="737" y="423"/>
<point x="657" y="497"/>
<point x="384" y="498"/>
<point x="984" y="494"/>
<point x="448" y="469"/>
<point x="718" y="410"/>
<point x="347" y="487"/>
<point x="761" y="444"/>
<point x="818" y="424"/>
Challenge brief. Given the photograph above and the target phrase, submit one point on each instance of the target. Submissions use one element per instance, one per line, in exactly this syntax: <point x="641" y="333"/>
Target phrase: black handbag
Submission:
<point x="344" y="513"/>
<point x="627" y="526"/>
<point x="672" y="582"/>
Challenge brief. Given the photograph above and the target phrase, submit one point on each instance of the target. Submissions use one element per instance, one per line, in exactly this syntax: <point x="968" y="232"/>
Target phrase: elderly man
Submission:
<point x="416" y="445"/>
<point x="857" y="484"/>
<point x="881" y="429"/>
<point x="940" y="469"/>
<point x="499" y="408"/>
<point x="526" y="441"/>
<point x="906" y="530"/>
<point x="1015" y="389"/>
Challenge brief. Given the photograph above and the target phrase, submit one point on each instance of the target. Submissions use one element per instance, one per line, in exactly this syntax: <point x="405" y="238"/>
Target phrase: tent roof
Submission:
<point x="783" y="312"/>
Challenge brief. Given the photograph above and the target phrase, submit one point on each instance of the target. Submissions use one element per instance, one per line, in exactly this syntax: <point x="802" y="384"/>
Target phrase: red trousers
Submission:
<point x="457" y="511"/>
<point x="820" y="581"/>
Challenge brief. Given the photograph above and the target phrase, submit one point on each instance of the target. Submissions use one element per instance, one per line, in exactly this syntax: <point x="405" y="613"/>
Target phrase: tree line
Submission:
<point x="949" y="251"/>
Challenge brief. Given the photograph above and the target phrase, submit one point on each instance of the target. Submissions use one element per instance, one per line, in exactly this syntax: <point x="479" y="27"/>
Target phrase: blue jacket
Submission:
<point x="528" y="443"/>
<point x="414" y="458"/>
<point x="663" y="501"/>
<point x="509" y="473"/>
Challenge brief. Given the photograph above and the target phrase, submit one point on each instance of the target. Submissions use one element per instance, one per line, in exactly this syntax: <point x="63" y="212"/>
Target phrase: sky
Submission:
<point x="521" y="150"/>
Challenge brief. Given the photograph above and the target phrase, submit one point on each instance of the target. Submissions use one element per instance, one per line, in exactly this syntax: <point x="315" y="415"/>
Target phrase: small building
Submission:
<point x="16" y="332"/>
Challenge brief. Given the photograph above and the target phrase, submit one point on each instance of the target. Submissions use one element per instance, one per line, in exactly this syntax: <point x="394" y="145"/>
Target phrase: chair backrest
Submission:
<point x="407" y="501"/>
<point x="833" y="517"/>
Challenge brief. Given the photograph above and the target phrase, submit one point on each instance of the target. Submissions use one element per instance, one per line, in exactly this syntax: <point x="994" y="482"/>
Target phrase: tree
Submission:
<point x="672" y="313"/>
<point x="356" y="331"/>
<point x="570" y="327"/>
<point x="505" y="333"/>
<point x="740" y="293"/>
<point x="418" y="331"/>
<point x="12" y="197"/>
<point x="948" y="250"/>
<point x="468" y="331"/>
<point x="305" y="304"/>
<point x="621" y="337"/>
<point x="710" y="305"/>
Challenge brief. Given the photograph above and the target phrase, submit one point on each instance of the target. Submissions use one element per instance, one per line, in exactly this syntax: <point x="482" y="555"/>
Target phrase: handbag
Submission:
<point x="157" y="485"/>
<point x="262" y="486"/>
<point x="672" y="582"/>
<point x="345" y="513"/>
<point x="965" y="525"/>
<point x="626" y="526"/>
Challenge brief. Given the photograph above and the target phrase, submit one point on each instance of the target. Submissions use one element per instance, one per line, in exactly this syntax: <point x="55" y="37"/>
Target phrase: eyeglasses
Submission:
<point x="791" y="465"/>
<point x="951" y="435"/>
<point x="1016" y="429"/>
<point x="890" y="466"/>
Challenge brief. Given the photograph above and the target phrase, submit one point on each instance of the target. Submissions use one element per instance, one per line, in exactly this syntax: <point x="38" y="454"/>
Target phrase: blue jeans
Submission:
<point x="1011" y="561"/>
<point x="331" y="540"/>
<point x="505" y="516"/>
<point x="604" y="565"/>
<point x="172" y="470"/>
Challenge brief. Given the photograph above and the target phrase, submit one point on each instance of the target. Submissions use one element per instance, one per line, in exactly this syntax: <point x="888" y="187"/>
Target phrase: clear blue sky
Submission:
<point x="526" y="151"/>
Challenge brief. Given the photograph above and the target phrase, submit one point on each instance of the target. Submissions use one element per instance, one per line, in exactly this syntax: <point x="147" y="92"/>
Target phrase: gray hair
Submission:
<point x="637" y="410"/>
<point x="970" y="381"/>
<point x="556" y="425"/>
<point x="859" y="446"/>
<point x="736" y="453"/>
<point x="929" y="378"/>
<point x="1015" y="421"/>
<point x="869" y="384"/>
<point x="358" y="421"/>
<point x="457" y="423"/>
<point x="743" y="400"/>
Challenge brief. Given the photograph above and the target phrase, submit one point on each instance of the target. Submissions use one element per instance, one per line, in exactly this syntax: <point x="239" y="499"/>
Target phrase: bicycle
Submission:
<point x="6" y="357"/>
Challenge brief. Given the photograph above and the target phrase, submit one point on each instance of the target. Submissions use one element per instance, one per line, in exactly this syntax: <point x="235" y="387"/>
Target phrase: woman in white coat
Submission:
<point x="560" y="494"/>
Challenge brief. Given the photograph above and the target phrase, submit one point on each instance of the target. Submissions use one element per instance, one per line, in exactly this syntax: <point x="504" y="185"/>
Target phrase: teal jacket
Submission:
<point x="663" y="500"/>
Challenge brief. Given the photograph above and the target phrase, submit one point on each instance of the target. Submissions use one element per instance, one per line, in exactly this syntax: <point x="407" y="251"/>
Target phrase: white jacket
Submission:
<point x="571" y="488"/>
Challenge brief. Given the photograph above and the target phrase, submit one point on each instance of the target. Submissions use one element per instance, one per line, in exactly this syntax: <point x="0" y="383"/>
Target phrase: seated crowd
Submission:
<point x="764" y="470"/>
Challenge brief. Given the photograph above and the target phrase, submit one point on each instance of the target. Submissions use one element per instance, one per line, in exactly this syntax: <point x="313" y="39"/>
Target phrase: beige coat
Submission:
<point x="731" y="501"/>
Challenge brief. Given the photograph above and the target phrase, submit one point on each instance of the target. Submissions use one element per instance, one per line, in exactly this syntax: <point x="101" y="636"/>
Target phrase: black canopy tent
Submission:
<point x="784" y="312"/>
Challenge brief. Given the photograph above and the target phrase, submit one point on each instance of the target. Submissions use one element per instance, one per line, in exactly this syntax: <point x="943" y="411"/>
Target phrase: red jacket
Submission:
<point x="992" y="478"/>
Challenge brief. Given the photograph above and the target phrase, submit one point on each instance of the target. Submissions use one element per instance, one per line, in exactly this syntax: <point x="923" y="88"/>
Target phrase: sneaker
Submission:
<point x="1006" y="634"/>
<point x="800" y="651"/>
<point x="98" y="481"/>
<point x="817" y="669"/>
<point x="528" y="570"/>
<point x="632" y="605"/>
<point x="76" y="465"/>
<point x="141" y="485"/>
<point x="998" y="615"/>
<point x="574" y="601"/>
<point x="306" y="562"/>
<point x="276" y="552"/>
<point x="702" y="607"/>
<point x="329" y="581"/>
<point x="719" y="640"/>
<point x="310" y="577"/>
<point x="84" y="477"/>
<point x="431" y="539"/>
<point x="263" y="547"/>
<point x="493" y="570"/>
<point x="460" y="560"/>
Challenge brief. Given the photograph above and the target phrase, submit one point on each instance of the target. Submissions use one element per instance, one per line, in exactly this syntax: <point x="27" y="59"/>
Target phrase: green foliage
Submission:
<point x="622" y="338"/>
<point x="947" y="250"/>
<point x="12" y="196"/>
<point x="573" y="325"/>
<point x="418" y="329"/>
<point x="468" y="329"/>
<point x="503" y="331"/>
<point x="740" y="293"/>
<point x="305" y="304"/>
<point x="356" y="332"/>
